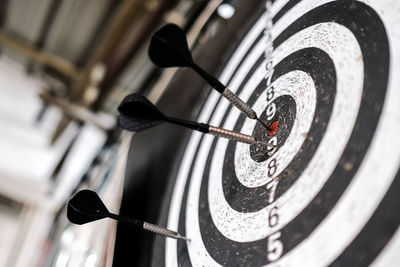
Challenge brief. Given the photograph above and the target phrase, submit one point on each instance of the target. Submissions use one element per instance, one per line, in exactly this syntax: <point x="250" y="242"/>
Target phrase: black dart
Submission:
<point x="137" y="113"/>
<point x="169" y="48"/>
<point x="86" y="206"/>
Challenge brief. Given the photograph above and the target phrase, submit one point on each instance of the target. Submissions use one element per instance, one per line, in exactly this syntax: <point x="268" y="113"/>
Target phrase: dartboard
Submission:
<point x="326" y="73"/>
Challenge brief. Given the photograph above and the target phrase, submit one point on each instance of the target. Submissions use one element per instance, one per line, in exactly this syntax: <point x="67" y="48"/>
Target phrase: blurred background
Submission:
<point x="65" y="65"/>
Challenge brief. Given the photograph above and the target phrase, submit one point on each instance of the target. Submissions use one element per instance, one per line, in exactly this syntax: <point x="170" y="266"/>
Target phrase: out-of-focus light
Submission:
<point x="97" y="73"/>
<point x="62" y="259"/>
<point x="226" y="11"/>
<point x="91" y="260"/>
<point x="67" y="237"/>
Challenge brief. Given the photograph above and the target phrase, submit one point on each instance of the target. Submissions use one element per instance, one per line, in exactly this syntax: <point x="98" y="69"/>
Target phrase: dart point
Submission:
<point x="263" y="124"/>
<point x="183" y="238"/>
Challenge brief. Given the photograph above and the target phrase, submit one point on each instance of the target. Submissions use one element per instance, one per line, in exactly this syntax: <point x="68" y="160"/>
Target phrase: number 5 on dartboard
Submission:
<point x="275" y="247"/>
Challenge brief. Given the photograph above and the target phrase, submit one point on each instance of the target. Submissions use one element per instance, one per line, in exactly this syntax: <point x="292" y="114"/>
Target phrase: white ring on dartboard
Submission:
<point x="377" y="188"/>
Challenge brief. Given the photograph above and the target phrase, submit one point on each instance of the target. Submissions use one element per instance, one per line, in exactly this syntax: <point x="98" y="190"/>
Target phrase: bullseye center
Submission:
<point x="273" y="127"/>
<point x="279" y="115"/>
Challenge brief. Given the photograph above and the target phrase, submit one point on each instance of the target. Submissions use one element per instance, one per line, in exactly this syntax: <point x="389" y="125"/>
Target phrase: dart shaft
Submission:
<point x="188" y="124"/>
<point x="228" y="94"/>
<point x="214" y="82"/>
<point x="132" y="222"/>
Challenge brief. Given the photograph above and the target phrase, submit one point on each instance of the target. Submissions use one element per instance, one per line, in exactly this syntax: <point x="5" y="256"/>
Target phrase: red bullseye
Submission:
<point x="273" y="128"/>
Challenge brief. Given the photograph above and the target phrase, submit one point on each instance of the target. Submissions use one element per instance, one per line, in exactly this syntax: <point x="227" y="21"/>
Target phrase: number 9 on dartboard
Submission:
<point x="324" y="76"/>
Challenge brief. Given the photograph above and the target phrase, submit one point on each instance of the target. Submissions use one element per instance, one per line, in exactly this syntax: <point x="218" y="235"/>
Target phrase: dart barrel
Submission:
<point x="237" y="102"/>
<point x="231" y="135"/>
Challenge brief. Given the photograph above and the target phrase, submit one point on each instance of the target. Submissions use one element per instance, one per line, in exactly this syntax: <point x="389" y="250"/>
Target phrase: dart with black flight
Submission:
<point x="169" y="48"/>
<point x="137" y="113"/>
<point x="86" y="206"/>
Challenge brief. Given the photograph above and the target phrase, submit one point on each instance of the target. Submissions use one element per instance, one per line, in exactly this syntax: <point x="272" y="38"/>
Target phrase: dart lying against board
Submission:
<point x="169" y="48"/>
<point x="137" y="113"/>
<point x="86" y="206"/>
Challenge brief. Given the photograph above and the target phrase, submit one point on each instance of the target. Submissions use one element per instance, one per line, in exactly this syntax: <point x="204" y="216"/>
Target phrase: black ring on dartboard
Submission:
<point x="375" y="50"/>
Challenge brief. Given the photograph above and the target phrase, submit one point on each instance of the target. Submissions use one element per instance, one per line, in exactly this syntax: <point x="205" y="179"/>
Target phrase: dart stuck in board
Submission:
<point x="86" y="206"/>
<point x="137" y="113"/>
<point x="169" y="48"/>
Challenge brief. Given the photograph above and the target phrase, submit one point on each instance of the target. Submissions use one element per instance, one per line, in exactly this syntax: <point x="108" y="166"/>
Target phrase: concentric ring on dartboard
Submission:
<point x="251" y="226"/>
<point x="239" y="164"/>
<point x="244" y="227"/>
<point x="296" y="85"/>
<point x="243" y="191"/>
<point x="253" y="253"/>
